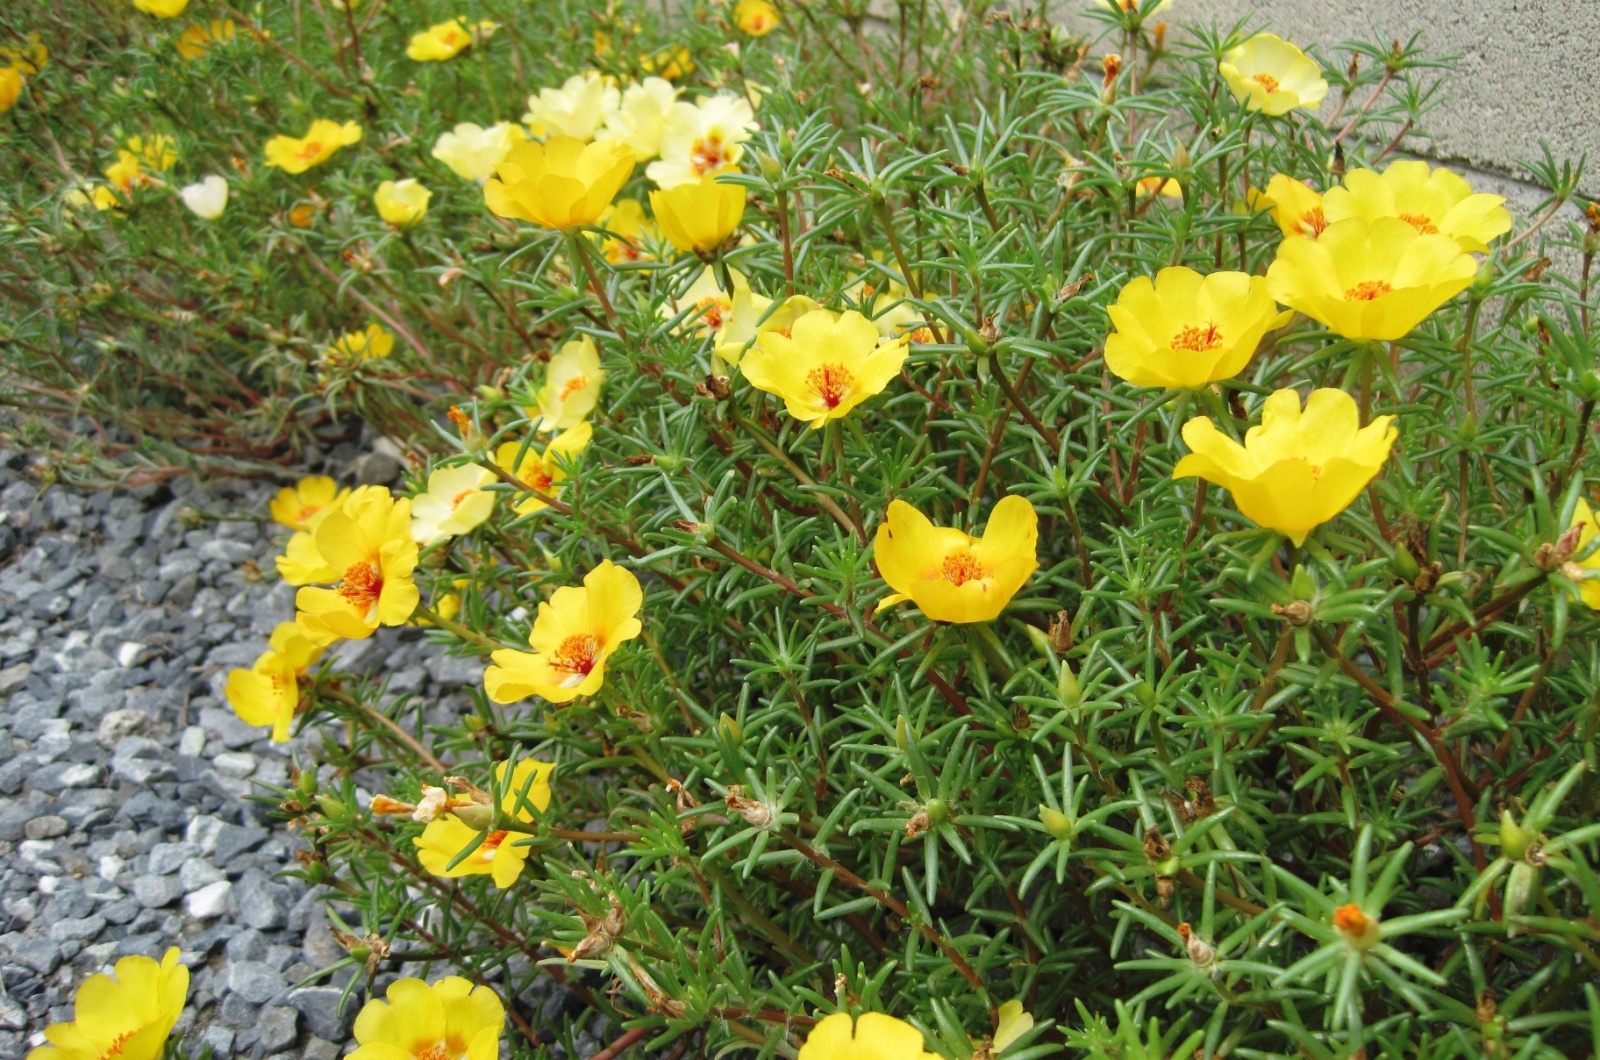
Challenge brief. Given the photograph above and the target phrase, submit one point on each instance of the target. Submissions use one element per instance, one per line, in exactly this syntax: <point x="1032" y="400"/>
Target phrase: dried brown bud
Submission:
<point x="1200" y="952"/>
<point x="918" y="824"/>
<point x="1296" y="612"/>
<point x="753" y="811"/>
<point x="719" y="386"/>
<point x="1061" y="633"/>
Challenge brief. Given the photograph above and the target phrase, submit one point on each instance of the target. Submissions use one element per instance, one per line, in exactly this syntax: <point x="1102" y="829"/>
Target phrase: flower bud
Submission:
<point x="1058" y="824"/>
<point x="1200" y="952"/>
<point x="1404" y="563"/>
<point x="1067" y="688"/>
<point x="1520" y="889"/>
<point x="1358" y="929"/>
<point x="938" y="811"/>
<point x="730" y="725"/>
<point x="1514" y="839"/>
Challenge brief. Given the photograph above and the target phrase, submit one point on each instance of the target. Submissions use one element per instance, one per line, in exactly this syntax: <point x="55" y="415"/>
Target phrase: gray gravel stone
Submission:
<point x="47" y="827"/>
<point x="154" y="892"/>
<point x="262" y="903"/>
<point x="320" y="1007"/>
<point x="255" y="981"/>
<point x="278" y="1028"/>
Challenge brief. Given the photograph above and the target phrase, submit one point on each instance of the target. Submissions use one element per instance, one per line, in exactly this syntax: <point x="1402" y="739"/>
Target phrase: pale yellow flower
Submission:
<point x="577" y="109"/>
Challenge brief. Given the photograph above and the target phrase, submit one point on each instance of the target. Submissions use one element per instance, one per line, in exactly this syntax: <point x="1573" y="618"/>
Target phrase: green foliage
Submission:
<point x="1140" y="799"/>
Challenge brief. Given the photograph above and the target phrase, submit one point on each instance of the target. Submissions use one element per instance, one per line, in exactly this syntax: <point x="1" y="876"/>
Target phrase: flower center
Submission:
<point x="362" y="585"/>
<point x="1197" y="339"/>
<point x="831" y="382"/>
<point x="1367" y="291"/>
<point x="1313" y="221"/>
<point x="312" y="149"/>
<point x="573" y="385"/>
<point x="538" y="477"/>
<point x="707" y="155"/>
<point x="1266" y="81"/>
<point x="1421" y="222"/>
<point x="575" y="657"/>
<point x="711" y="310"/>
<point x="307" y="512"/>
<point x="436" y="1050"/>
<point x="961" y="567"/>
<point x="115" y="1048"/>
<point x="460" y="498"/>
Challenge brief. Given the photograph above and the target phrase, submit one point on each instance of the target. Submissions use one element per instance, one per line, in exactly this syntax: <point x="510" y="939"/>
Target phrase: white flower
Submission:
<point x="702" y="137"/>
<point x="455" y="503"/>
<point x="577" y="109"/>
<point x="472" y="151"/>
<point x="642" y="117"/>
<point x="207" y="199"/>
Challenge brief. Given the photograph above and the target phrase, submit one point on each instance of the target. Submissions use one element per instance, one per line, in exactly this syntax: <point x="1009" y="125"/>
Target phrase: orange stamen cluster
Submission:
<point x="1313" y="221"/>
<point x="311" y="150"/>
<point x="706" y="155"/>
<point x="362" y="585"/>
<point x="959" y="568"/>
<point x="1421" y="222"/>
<point x="576" y="383"/>
<point x="1198" y="340"/>
<point x="575" y="656"/>
<point x="1350" y="919"/>
<point x="1367" y="291"/>
<point x="831" y="383"/>
<point x="1267" y="81"/>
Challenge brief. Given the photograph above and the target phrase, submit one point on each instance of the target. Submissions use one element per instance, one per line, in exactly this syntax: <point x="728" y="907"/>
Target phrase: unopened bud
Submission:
<point x="1358" y="929"/>
<point x="1296" y="612"/>
<point x="1200" y="952"/>
<point x="1520" y="887"/>
<point x="730" y="725"/>
<point x="1058" y="824"/>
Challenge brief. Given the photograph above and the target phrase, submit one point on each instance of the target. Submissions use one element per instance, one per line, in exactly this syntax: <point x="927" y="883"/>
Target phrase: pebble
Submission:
<point x="47" y="827"/>
<point x="209" y="901"/>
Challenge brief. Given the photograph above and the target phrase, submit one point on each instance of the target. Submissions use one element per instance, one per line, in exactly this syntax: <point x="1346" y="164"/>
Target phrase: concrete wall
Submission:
<point x="1528" y="70"/>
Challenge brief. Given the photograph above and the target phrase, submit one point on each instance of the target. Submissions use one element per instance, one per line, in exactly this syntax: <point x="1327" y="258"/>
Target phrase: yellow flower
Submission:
<point x="1268" y="74"/>
<point x="826" y="365"/>
<point x="127" y="173"/>
<point x="749" y="320"/>
<point x="893" y="314"/>
<point x="499" y="854"/>
<point x="28" y="58"/>
<point x="402" y="203"/>
<point x="1370" y="280"/>
<point x="294" y="506"/>
<point x="455" y="503"/>
<point x="269" y="692"/>
<point x="298" y="154"/>
<point x="1166" y="187"/>
<point x="875" y="1036"/>
<point x="450" y="1020"/>
<point x="571" y="386"/>
<point x="672" y="62"/>
<point x="641" y="117"/>
<point x="576" y="631"/>
<point x="10" y="87"/>
<point x="710" y="302"/>
<point x="162" y="8"/>
<point x="1296" y="209"/>
<point x="950" y="575"/>
<point x="561" y="183"/>
<point x="700" y="138"/>
<point x="1588" y="583"/>
<point x="446" y="40"/>
<point x="699" y="217"/>
<point x="1012" y="1024"/>
<point x="201" y="38"/>
<point x="1187" y="330"/>
<point x="1433" y="201"/>
<point x="128" y="1017"/>
<point x="544" y="471"/>
<point x="1296" y="470"/>
<point x="629" y="228"/>
<point x="577" y="109"/>
<point x="528" y="785"/>
<point x="301" y="563"/>
<point x="472" y="152"/>
<point x="756" y="17"/>
<point x="370" y="343"/>
<point x="368" y="540"/>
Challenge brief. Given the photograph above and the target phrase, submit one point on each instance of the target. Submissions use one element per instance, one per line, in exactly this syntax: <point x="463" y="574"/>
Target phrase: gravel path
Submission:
<point x="123" y="823"/>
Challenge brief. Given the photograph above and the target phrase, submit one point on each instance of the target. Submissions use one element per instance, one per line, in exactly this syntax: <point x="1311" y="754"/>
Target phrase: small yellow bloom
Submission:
<point x="892" y="312"/>
<point x="701" y="138"/>
<point x="1188" y="330"/>
<point x="298" y="154"/>
<point x="294" y="506"/>
<point x="369" y="344"/>
<point x="127" y="173"/>
<point x="1433" y="201"/>
<point x="472" y="152"/>
<point x="711" y="304"/>
<point x="750" y="319"/>
<point x="576" y="631"/>
<point x="447" y="40"/>
<point x="875" y="1036"/>
<point x="499" y="853"/>
<point x="571" y="386"/>
<point x="950" y="575"/>
<point x="402" y="203"/>
<point x="629" y="231"/>
<point x="1296" y="209"/>
<point x="368" y="540"/>
<point x="1268" y="74"/>
<point x="756" y="17"/>
<point x="1587" y="573"/>
<point x="301" y="563"/>
<point x="699" y="217"/>
<point x="28" y="58"/>
<point x="544" y="471"/>
<point x="561" y="183"/>
<point x="450" y="1020"/>
<point x="269" y="692"/>
<point x="201" y="38"/>
<point x="1166" y="187"/>
<point x="641" y="117"/>
<point x="454" y="503"/>
<point x="672" y="63"/>
<point x="826" y="365"/>
<point x="162" y="8"/>
<point x="1296" y="470"/>
<point x="577" y="109"/>
<point x="528" y="785"/>
<point x="10" y="87"/>
<point x="1012" y="1024"/>
<point x="128" y="1017"/>
<point x="1370" y="279"/>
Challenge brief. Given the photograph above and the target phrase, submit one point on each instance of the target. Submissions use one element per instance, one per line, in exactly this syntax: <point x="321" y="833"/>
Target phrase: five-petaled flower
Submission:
<point x="702" y="138"/>
<point x="269" y="692"/>
<point x="576" y="632"/>
<point x="127" y="1018"/>
<point x="826" y="365"/>
<point x="699" y="217"/>
<point x="454" y="503"/>
<point x="367" y="540"/>
<point x="402" y="202"/>
<point x="1268" y="74"/>
<point x="571" y="387"/>
<point x="1297" y="469"/>
<point x="950" y="575"/>
<point x="873" y="1036"/>
<point x="1433" y="201"/>
<point x="546" y="471"/>
<point x="449" y="1020"/>
<point x="295" y="506"/>
<point x="1187" y="330"/>
<point x="446" y="40"/>
<point x="296" y="154"/>
<point x="495" y="852"/>
<point x="561" y="183"/>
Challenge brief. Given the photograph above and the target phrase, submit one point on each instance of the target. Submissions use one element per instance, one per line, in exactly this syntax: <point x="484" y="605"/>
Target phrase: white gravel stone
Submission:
<point x="192" y="742"/>
<point x="210" y="901"/>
